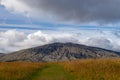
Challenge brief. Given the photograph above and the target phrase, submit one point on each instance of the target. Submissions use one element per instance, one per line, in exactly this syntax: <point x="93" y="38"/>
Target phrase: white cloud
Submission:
<point x="99" y="42"/>
<point x="16" y="6"/>
<point x="13" y="40"/>
<point x="19" y="7"/>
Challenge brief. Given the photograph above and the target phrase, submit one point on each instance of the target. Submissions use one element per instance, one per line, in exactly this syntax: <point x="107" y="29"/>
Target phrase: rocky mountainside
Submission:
<point x="59" y="52"/>
<point x="1" y="54"/>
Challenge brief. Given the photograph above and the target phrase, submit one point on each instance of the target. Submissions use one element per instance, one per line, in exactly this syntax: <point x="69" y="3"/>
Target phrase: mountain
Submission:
<point x="59" y="52"/>
<point x="1" y="54"/>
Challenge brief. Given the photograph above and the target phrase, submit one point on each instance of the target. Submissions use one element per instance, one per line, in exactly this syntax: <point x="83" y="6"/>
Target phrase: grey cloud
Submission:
<point x="100" y="42"/>
<point x="116" y="33"/>
<point x="80" y="11"/>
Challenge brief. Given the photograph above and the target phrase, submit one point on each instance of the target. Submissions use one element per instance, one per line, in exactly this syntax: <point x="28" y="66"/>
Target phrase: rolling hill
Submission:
<point x="58" y="52"/>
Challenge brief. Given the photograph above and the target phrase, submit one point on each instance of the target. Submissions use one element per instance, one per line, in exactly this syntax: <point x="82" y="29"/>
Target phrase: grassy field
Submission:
<point x="19" y="70"/>
<point x="97" y="69"/>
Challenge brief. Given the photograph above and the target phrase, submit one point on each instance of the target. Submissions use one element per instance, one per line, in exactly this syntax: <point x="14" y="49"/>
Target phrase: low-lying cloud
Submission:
<point x="80" y="11"/>
<point x="13" y="40"/>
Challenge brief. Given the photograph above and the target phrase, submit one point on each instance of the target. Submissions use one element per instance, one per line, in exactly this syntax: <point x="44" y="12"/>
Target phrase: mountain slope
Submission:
<point x="59" y="52"/>
<point x="1" y="54"/>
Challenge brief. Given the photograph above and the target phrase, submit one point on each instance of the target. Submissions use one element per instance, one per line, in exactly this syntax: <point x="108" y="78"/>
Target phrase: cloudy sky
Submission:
<point x="30" y="23"/>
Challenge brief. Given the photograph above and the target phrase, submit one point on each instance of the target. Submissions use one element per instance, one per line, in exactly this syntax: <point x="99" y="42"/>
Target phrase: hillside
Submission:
<point x="1" y="54"/>
<point x="59" y="52"/>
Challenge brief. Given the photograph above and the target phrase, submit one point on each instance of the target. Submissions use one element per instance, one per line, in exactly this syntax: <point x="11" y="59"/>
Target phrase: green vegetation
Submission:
<point x="91" y="69"/>
<point x="33" y="71"/>
<point x="53" y="72"/>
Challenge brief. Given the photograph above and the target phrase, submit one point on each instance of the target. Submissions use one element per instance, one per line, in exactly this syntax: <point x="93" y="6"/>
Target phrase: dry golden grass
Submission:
<point x="18" y="70"/>
<point x="90" y="69"/>
<point x="97" y="69"/>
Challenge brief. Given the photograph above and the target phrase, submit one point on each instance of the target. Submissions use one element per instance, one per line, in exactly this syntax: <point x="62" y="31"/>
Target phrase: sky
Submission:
<point x="30" y="23"/>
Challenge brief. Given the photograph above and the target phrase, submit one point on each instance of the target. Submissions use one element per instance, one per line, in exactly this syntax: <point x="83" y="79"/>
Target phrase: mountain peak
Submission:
<point x="59" y="52"/>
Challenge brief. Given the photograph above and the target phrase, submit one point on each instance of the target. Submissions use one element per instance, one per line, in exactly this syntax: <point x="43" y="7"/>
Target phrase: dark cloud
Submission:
<point x="81" y="11"/>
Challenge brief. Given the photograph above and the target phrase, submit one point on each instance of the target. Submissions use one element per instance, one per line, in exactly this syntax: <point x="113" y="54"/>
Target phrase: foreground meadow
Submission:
<point x="19" y="70"/>
<point x="90" y="69"/>
<point x="98" y="69"/>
